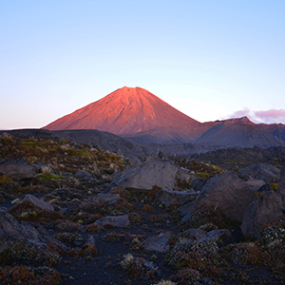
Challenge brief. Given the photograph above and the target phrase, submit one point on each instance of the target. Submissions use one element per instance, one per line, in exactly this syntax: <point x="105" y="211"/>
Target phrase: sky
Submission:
<point x="209" y="59"/>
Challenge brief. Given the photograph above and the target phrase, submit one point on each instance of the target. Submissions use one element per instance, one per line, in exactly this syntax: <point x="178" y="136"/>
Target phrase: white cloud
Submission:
<point x="271" y="116"/>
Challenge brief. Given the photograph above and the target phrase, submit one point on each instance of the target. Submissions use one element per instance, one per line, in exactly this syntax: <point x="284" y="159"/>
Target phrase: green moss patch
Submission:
<point x="5" y="179"/>
<point x="50" y="176"/>
<point x="202" y="175"/>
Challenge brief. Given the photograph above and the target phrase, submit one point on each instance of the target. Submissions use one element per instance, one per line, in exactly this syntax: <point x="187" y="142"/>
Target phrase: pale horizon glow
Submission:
<point x="211" y="60"/>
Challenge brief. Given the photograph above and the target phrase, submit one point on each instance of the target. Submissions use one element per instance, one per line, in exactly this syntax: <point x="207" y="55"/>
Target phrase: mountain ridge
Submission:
<point x="140" y="116"/>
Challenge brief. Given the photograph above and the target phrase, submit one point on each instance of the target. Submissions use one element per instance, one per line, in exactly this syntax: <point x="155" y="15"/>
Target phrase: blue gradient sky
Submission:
<point x="209" y="59"/>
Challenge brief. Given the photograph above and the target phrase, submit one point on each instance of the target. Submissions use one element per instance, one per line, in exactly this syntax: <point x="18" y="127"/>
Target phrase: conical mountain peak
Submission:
<point x="128" y="110"/>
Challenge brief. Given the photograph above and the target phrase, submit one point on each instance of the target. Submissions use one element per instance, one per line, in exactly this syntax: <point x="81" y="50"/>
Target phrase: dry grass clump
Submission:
<point x="138" y="267"/>
<point x="46" y="170"/>
<point x="67" y="226"/>
<point x="69" y="238"/>
<point x="189" y="276"/>
<point x="243" y="253"/>
<point x="210" y="215"/>
<point x="136" y="244"/>
<point x="5" y="179"/>
<point x="135" y="218"/>
<point x="23" y="253"/>
<point x="29" y="275"/>
<point x="273" y="231"/>
<point x="122" y="205"/>
<point x="113" y="236"/>
<point x="200" y="167"/>
<point x="166" y="282"/>
<point x="87" y="249"/>
<point x="274" y="254"/>
<point x="87" y="218"/>
<point x="201" y="256"/>
<point x="147" y="207"/>
<point x="27" y="211"/>
<point x="208" y="227"/>
<point x="92" y="228"/>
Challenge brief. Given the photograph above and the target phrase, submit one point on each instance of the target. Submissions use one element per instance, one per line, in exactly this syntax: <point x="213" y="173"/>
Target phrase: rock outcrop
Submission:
<point x="162" y="173"/>
<point x="264" y="171"/>
<point x="17" y="169"/>
<point x="266" y="209"/>
<point x="227" y="193"/>
<point x="16" y="239"/>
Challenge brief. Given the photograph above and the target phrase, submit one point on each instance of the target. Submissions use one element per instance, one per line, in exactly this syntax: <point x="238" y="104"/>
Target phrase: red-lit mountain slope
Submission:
<point x="128" y="111"/>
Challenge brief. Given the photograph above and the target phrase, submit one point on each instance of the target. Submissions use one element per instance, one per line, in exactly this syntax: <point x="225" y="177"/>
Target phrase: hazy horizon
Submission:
<point x="210" y="60"/>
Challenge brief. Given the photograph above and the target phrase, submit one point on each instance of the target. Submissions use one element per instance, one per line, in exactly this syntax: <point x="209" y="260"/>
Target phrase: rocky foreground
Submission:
<point x="71" y="213"/>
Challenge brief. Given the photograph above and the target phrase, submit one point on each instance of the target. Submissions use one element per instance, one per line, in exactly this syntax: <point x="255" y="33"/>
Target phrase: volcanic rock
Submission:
<point x="264" y="171"/>
<point x="37" y="202"/>
<point x="157" y="243"/>
<point x="114" y="221"/>
<point x="24" y="235"/>
<point x="17" y="168"/>
<point x="266" y="209"/>
<point x="170" y="197"/>
<point x="106" y="198"/>
<point x="83" y="175"/>
<point x="228" y="193"/>
<point x="214" y="235"/>
<point x="152" y="172"/>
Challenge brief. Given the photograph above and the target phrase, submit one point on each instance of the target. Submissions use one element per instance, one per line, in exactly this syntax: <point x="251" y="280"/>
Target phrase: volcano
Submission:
<point x="130" y="112"/>
<point x="139" y="116"/>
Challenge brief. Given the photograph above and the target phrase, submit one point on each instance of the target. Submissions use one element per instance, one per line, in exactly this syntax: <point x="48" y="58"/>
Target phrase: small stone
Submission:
<point x="38" y="203"/>
<point x="157" y="243"/>
<point x="115" y="221"/>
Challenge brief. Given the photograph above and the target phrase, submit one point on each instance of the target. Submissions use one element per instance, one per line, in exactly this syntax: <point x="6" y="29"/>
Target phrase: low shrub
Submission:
<point x="25" y="275"/>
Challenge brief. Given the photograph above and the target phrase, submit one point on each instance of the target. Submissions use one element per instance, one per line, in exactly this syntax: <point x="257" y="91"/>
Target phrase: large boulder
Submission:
<point x="150" y="173"/>
<point x="266" y="209"/>
<point x="16" y="237"/>
<point x="18" y="169"/>
<point x="227" y="193"/>
<point x="263" y="171"/>
<point x="170" y="197"/>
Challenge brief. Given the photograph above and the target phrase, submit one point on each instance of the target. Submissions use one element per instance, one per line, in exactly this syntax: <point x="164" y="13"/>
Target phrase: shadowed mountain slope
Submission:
<point x="239" y="133"/>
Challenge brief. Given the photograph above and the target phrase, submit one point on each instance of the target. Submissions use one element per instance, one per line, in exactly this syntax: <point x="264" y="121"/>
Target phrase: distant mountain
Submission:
<point x="139" y="116"/>
<point x="128" y="112"/>
<point x="243" y="120"/>
<point x="239" y="135"/>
